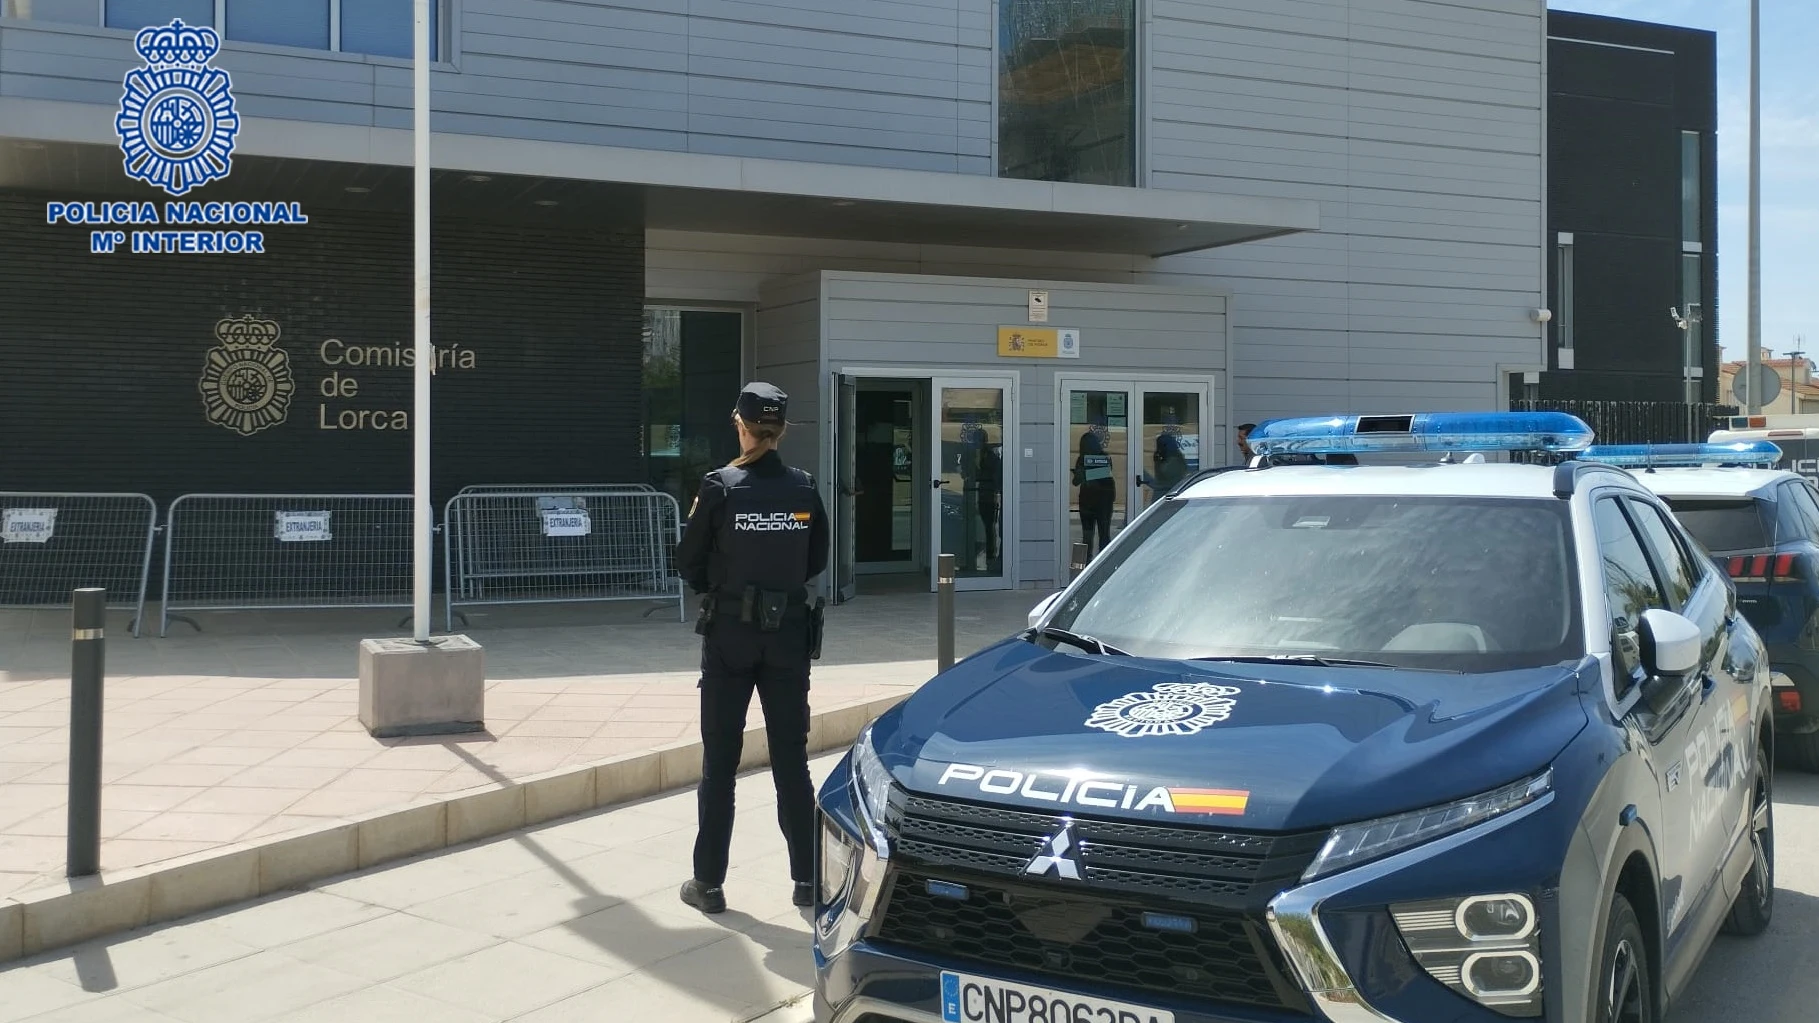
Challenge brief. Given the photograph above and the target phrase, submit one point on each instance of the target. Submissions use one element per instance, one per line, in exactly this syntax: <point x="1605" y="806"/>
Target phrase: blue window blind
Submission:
<point x="280" y="22"/>
<point x="384" y="27"/>
<point x="136" y="14"/>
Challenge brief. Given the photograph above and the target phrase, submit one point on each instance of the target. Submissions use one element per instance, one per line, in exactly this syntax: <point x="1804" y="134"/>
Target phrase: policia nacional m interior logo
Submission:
<point x="246" y="380"/>
<point x="177" y="120"/>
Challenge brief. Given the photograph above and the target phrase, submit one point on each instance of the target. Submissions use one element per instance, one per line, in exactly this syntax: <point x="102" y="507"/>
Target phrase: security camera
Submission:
<point x="1541" y="315"/>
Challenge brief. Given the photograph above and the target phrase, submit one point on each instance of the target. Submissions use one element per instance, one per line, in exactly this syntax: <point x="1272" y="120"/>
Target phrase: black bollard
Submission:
<point x="1081" y="558"/>
<point x="944" y="613"/>
<point x="88" y="655"/>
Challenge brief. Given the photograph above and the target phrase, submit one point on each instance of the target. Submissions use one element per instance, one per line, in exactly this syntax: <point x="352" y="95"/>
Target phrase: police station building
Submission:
<point x="975" y="240"/>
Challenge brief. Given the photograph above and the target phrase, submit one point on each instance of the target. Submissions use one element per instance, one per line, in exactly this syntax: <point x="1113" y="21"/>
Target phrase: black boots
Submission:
<point x="804" y="894"/>
<point x="703" y="898"/>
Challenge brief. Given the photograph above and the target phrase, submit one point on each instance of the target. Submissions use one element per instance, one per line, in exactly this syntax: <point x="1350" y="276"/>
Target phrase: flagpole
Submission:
<point x="1754" y="369"/>
<point x="425" y="356"/>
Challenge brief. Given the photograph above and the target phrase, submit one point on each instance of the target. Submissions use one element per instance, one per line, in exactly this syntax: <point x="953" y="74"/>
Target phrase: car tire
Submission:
<point x="1755" y="904"/>
<point x="1800" y="752"/>
<point x="1626" y="989"/>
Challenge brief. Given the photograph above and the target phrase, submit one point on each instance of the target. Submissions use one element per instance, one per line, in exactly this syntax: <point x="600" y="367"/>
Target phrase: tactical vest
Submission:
<point x="764" y="536"/>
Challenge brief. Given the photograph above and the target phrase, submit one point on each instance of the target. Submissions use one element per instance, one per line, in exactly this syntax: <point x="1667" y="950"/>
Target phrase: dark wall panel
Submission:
<point x="102" y="357"/>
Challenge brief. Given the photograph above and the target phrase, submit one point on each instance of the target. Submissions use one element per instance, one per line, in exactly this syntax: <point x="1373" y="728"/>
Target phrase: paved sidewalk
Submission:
<point x="249" y="730"/>
<point x="567" y="922"/>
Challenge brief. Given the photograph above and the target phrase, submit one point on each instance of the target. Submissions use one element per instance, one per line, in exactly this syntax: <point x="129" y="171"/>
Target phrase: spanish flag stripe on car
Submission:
<point x="1213" y="801"/>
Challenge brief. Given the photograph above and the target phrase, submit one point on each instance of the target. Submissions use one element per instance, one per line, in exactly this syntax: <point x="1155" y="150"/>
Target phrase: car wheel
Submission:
<point x="1626" y="993"/>
<point x="1755" y="903"/>
<point x="1800" y="751"/>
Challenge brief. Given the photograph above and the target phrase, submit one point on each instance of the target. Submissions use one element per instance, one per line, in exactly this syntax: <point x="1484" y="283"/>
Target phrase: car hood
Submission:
<point x="1243" y="746"/>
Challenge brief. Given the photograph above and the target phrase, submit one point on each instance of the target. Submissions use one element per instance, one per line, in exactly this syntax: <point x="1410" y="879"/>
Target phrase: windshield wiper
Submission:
<point x="1311" y="659"/>
<point x="1087" y="643"/>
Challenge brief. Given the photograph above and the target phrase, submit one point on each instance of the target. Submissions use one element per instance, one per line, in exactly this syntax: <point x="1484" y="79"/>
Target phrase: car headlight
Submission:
<point x="872" y="787"/>
<point x="838" y="853"/>
<point x="1485" y="947"/>
<point x="1353" y="844"/>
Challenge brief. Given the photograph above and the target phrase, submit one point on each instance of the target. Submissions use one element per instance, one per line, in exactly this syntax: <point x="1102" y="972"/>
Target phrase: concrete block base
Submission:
<point x="411" y="688"/>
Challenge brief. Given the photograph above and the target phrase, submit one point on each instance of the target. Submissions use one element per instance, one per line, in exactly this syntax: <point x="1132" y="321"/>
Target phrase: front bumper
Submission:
<point x="1340" y="946"/>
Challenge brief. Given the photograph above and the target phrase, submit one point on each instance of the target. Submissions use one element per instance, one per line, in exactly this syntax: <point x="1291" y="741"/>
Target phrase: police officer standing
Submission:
<point x="756" y="535"/>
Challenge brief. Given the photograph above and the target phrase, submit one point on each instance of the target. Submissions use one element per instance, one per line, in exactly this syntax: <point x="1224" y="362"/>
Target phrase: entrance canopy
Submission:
<point x="70" y="149"/>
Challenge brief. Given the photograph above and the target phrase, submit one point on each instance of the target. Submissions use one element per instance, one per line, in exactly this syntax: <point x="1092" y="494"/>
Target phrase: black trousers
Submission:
<point x="736" y="658"/>
<point x="1096" y="506"/>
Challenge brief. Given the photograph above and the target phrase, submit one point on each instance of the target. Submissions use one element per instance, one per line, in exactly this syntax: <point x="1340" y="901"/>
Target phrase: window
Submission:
<point x="1723" y="525"/>
<point x="74" y="12"/>
<point x="385" y="28"/>
<point x="1563" y="271"/>
<point x="1692" y="166"/>
<point x="136" y="14"/>
<point x="280" y="22"/>
<point x="1440" y="583"/>
<point x="691" y="380"/>
<point x="1679" y="574"/>
<point x="1629" y="581"/>
<point x="1809" y="507"/>
<point x="1629" y="589"/>
<point x="1067" y="90"/>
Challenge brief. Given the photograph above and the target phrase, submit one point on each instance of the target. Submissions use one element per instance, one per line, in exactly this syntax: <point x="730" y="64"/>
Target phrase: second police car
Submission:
<point x="1761" y="524"/>
<point x="1437" y="743"/>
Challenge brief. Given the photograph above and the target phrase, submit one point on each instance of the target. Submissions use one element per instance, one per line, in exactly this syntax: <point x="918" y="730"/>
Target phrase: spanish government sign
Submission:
<point x="177" y="125"/>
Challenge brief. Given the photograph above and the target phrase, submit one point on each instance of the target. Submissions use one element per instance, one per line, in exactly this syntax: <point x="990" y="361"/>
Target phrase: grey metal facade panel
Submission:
<point x="1422" y="141"/>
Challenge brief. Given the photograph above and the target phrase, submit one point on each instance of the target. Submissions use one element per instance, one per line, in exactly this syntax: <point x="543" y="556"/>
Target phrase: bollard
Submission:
<point x="1081" y="558"/>
<point x="88" y="650"/>
<point x="944" y="613"/>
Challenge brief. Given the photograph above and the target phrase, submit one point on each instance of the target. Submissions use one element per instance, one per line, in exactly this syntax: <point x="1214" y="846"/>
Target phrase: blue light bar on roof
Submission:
<point x="1424" y="431"/>
<point x="1662" y="456"/>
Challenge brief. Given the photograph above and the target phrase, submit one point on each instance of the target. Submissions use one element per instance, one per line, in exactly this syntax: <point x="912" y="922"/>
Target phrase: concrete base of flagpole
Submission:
<point x="411" y="688"/>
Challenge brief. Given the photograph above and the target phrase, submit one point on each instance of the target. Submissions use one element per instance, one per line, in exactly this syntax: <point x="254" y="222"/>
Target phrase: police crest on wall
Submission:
<point x="177" y="120"/>
<point x="246" y="380"/>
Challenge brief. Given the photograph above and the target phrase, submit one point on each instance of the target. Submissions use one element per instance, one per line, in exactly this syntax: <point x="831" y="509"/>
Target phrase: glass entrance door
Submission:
<point x="1125" y="444"/>
<point x="970" y="480"/>
<point x="1098" y="457"/>
<point x="1170" y="422"/>
<point x="844" y="509"/>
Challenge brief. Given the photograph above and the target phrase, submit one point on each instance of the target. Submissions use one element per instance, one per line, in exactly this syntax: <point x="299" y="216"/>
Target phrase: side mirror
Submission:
<point x="1041" y="610"/>
<point x="1671" y="644"/>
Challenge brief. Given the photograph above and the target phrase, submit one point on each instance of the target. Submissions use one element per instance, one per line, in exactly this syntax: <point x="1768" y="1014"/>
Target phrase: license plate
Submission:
<point x="969" y="999"/>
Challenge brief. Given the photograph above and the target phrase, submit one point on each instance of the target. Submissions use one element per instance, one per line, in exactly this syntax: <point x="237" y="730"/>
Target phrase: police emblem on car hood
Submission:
<point x="1167" y="708"/>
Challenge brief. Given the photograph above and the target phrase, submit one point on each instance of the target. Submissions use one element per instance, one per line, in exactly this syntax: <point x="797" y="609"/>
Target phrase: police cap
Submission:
<point x="762" y="403"/>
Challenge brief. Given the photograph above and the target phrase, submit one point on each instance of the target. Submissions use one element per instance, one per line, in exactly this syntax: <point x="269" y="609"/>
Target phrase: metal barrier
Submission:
<point x="558" y="546"/>
<point x="553" y="488"/>
<point x="53" y="543"/>
<point x="245" y="552"/>
<point x="1639" y="422"/>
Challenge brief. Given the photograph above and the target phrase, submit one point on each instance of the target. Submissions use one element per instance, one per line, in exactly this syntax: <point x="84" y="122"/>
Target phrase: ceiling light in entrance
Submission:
<point x="546" y="202"/>
<point x="357" y="189"/>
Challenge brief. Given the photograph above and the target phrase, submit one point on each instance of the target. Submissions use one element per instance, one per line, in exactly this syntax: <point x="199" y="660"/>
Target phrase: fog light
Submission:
<point x="1500" y="975"/>
<point x="1495" y="918"/>
<point x="1790" y="701"/>
<point x="1484" y="947"/>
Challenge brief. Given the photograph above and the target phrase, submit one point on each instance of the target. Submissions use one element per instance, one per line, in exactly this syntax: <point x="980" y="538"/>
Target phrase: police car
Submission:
<point x="1459" y="741"/>
<point x="1762" y="525"/>
<point x="1797" y="436"/>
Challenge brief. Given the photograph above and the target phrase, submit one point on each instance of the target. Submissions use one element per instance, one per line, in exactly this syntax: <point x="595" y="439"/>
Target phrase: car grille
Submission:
<point x="1094" y="927"/>
<point x="1205" y="866"/>
<point x="1047" y="931"/>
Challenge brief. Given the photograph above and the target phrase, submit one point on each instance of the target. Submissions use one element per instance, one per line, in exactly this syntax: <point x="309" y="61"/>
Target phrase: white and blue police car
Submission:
<point x="1760" y="523"/>
<point x="1418" y="743"/>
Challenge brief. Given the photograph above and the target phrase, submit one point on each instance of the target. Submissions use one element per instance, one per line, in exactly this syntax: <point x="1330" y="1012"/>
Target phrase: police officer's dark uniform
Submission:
<point x="755" y="536"/>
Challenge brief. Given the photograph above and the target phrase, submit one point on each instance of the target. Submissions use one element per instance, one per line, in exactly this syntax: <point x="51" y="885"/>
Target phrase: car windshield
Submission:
<point x="1451" y="583"/>
<point x="1734" y="524"/>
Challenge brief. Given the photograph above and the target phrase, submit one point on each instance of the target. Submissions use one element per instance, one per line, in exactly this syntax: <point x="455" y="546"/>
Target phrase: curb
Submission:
<point x="81" y="909"/>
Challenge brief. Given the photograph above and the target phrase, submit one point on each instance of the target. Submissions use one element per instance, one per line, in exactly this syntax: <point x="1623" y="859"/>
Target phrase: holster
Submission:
<point x="817" y="627"/>
<point x="764" y="608"/>
<point x="704" y="615"/>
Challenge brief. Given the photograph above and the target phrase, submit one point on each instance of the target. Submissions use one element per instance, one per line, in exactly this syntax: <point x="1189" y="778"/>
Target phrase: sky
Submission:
<point x="1790" y="159"/>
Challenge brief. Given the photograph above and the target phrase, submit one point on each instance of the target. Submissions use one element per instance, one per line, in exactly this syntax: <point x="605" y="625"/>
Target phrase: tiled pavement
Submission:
<point x="248" y="729"/>
<point x="567" y="922"/>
